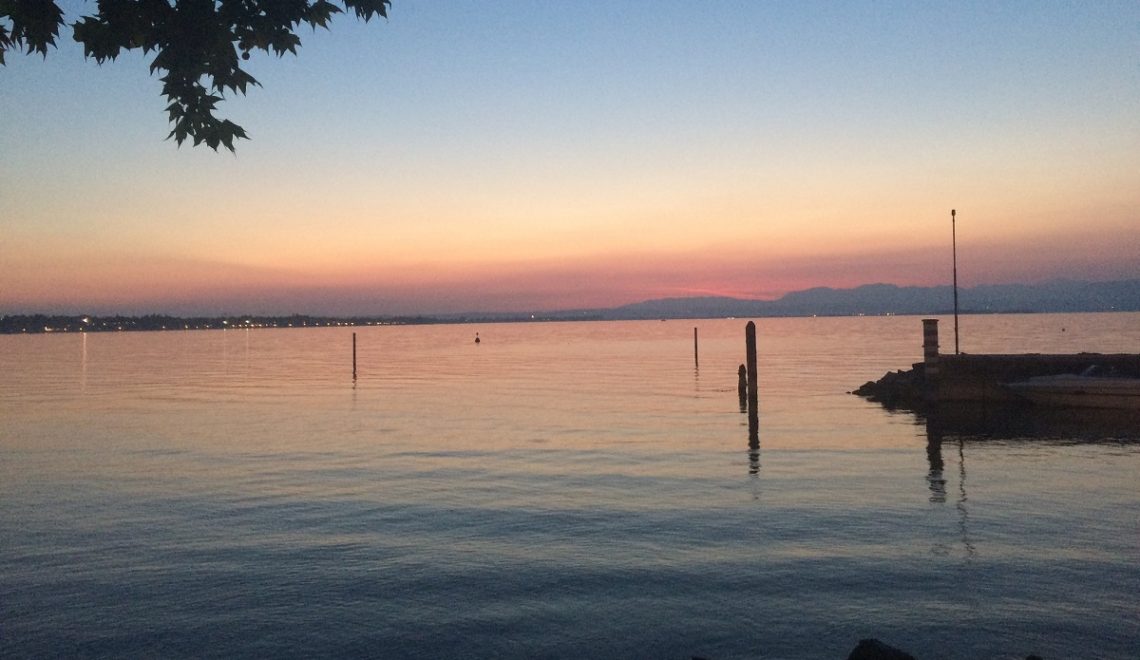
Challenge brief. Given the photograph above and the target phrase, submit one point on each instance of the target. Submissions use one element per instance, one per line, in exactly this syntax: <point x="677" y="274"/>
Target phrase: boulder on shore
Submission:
<point x="897" y="388"/>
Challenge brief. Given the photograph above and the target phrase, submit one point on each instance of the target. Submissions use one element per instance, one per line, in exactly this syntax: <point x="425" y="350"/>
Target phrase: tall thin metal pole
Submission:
<point x="954" y="248"/>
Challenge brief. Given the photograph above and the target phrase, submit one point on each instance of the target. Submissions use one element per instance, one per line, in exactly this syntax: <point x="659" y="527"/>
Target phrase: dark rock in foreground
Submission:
<point x="873" y="649"/>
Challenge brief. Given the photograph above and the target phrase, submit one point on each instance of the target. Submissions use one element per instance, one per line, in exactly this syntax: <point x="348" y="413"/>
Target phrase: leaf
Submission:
<point x="198" y="45"/>
<point x="34" y="25"/>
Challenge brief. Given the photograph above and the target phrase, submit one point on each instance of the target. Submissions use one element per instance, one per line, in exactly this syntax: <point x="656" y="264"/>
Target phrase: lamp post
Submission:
<point x="954" y="249"/>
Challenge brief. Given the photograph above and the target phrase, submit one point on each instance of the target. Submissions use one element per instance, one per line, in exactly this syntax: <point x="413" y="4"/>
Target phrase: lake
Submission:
<point x="560" y="490"/>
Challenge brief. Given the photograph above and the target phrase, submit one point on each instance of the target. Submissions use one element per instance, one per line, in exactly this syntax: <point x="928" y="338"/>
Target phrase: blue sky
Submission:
<point x="535" y="155"/>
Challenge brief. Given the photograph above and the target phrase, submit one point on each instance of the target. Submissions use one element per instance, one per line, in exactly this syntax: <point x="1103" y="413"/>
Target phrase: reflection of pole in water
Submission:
<point x="964" y="517"/>
<point x="934" y="478"/>
<point x="753" y="455"/>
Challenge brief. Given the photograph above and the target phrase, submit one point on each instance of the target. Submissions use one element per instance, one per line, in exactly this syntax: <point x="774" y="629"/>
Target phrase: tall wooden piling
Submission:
<point x="696" y="355"/>
<point x="753" y="381"/>
<point x="354" y="356"/>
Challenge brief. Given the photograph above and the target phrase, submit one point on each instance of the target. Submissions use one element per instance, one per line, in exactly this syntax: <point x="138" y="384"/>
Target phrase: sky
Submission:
<point x="528" y="156"/>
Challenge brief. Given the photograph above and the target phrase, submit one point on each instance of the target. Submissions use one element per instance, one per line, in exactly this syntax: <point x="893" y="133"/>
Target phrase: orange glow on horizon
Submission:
<point x="142" y="285"/>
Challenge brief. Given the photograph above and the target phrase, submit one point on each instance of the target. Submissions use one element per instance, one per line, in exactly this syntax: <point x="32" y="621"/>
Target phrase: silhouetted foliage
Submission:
<point x="198" y="45"/>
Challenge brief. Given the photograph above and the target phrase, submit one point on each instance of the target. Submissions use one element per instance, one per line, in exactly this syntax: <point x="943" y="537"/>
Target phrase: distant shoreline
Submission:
<point x="47" y="323"/>
<point x="27" y="324"/>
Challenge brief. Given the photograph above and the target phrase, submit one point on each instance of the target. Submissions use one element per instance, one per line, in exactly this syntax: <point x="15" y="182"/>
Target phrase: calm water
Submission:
<point x="560" y="490"/>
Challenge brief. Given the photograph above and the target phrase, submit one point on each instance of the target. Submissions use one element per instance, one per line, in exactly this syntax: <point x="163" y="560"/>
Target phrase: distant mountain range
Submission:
<point x="879" y="299"/>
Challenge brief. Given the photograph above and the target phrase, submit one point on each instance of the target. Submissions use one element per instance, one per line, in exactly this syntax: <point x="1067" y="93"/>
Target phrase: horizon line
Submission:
<point x="441" y="315"/>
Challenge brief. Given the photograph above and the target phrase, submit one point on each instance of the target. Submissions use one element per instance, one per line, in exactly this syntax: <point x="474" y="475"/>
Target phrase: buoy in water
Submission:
<point x="477" y="340"/>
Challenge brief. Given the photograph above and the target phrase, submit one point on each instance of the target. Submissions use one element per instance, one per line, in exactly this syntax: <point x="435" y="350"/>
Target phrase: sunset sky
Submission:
<point x="531" y="155"/>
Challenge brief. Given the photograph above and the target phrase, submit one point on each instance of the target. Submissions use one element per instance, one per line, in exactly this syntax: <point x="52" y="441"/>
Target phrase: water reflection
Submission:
<point x="934" y="477"/>
<point x="964" y="515"/>
<point x="753" y="427"/>
<point x="1026" y="422"/>
<point x="984" y="423"/>
<point x="987" y="422"/>
<point x="936" y="480"/>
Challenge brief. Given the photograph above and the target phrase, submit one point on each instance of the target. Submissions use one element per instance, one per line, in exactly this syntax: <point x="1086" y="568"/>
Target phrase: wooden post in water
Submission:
<point x="354" y="356"/>
<point x="753" y="381"/>
<point x="742" y="387"/>
<point x="696" y="356"/>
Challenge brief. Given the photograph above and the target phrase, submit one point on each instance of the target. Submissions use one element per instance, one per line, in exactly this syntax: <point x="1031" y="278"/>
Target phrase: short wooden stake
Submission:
<point x="354" y="356"/>
<point x="742" y="387"/>
<point x="696" y="356"/>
